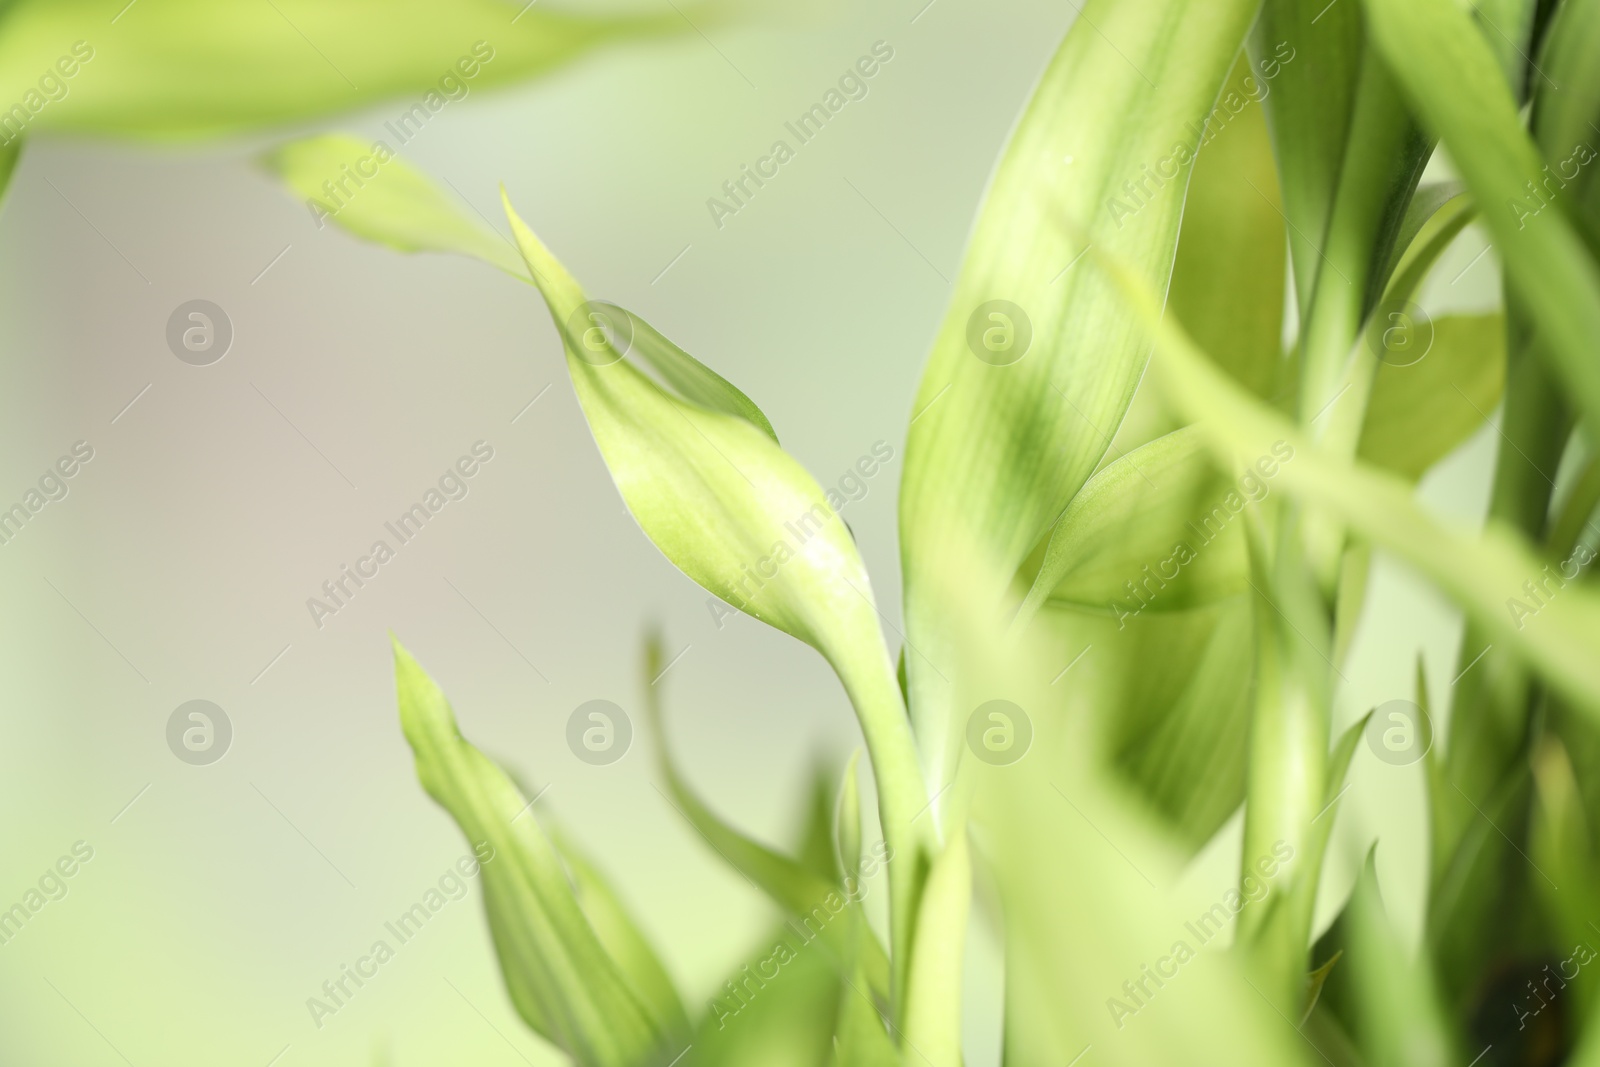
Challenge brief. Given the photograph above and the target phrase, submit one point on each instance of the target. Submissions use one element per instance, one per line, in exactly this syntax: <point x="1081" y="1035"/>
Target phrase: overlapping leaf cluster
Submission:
<point x="1161" y="572"/>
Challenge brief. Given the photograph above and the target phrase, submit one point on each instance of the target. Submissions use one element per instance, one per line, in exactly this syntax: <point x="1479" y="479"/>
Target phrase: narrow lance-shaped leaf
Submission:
<point x="742" y="518"/>
<point x="794" y="886"/>
<point x="1034" y="365"/>
<point x="933" y="1011"/>
<point x="1421" y="411"/>
<point x="1135" y="511"/>
<point x="1230" y="272"/>
<point x="401" y="208"/>
<point x="561" y="978"/>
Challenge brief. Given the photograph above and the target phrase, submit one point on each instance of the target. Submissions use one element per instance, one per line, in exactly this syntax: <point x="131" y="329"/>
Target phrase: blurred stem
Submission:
<point x="1288" y="757"/>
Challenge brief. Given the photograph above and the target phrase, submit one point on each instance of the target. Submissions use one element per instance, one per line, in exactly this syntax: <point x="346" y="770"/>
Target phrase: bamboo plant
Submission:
<point x="1181" y="395"/>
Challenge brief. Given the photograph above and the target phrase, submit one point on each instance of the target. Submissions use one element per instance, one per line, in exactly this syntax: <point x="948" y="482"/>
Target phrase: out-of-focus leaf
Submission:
<point x="1178" y="734"/>
<point x="10" y="155"/>
<point x="1156" y="525"/>
<point x="1109" y="962"/>
<point x="1562" y="642"/>
<point x="1377" y="176"/>
<point x="191" y="68"/>
<point x="861" y="1040"/>
<point x="557" y="970"/>
<point x="403" y="209"/>
<point x="1228" y="278"/>
<point x="1034" y="365"/>
<point x="399" y="207"/>
<point x="1562" y="118"/>
<point x="779" y="1008"/>
<point x="1287" y="784"/>
<point x="1314" y="983"/>
<point x="933" y="1009"/>
<point x="799" y="888"/>
<point x="1400" y="1020"/>
<point x="848" y="819"/>
<point x="742" y="518"/>
<point x="1506" y="26"/>
<point x="1562" y="846"/>
<point x="621" y="937"/>
<point x="1317" y="56"/>
<point x="1426" y="211"/>
<point x="1459" y="91"/>
<point x="1420" y="412"/>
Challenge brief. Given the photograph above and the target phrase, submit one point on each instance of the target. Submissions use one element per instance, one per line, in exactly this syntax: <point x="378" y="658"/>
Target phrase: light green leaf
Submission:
<point x="933" y="1011"/>
<point x="558" y="972"/>
<point x="195" y="68"/>
<point x="403" y="209"/>
<point x="1034" y="365"/>
<point x="1076" y="943"/>
<point x="622" y="939"/>
<point x="399" y="207"/>
<point x="1178" y="734"/>
<point x="1457" y="87"/>
<point x="1563" y="119"/>
<point x="1400" y="1019"/>
<point x="796" y="887"/>
<point x="1154" y="526"/>
<point x="1420" y="412"/>
<point x="848" y="820"/>
<point x="737" y="514"/>
<point x="861" y="1040"/>
<point x="1483" y="575"/>
<point x="1317" y="56"/>
<point x="779" y="1008"/>
<point x="1229" y="276"/>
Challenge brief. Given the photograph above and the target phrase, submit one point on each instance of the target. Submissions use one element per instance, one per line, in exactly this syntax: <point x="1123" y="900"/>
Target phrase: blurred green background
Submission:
<point x="179" y="564"/>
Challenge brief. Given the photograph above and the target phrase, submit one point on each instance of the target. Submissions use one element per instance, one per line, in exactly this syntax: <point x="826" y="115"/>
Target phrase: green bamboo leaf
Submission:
<point x="799" y="888"/>
<point x="1229" y="275"/>
<point x="933" y="1011"/>
<point x="1162" y="506"/>
<point x="1288" y="778"/>
<point x="778" y="1008"/>
<point x="1112" y="961"/>
<point x="737" y="514"/>
<point x="399" y="207"/>
<point x="1317" y="56"/>
<point x="622" y="939"/>
<point x="557" y="970"/>
<point x="1458" y="89"/>
<point x="1485" y="576"/>
<point x="1421" y="411"/>
<point x="1565" y="117"/>
<point x="1400" y="1021"/>
<point x="1034" y="366"/>
<point x="1178" y="735"/>
<point x="191" y="68"/>
<point x="861" y="1040"/>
